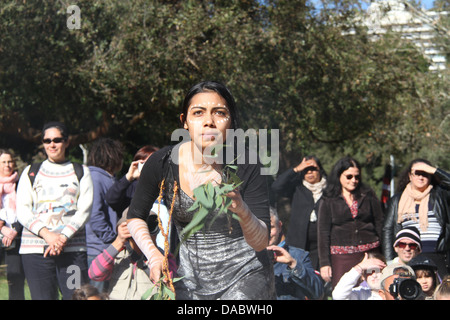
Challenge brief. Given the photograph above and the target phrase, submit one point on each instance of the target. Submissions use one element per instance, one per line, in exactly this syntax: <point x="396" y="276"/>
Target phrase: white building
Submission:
<point x="418" y="25"/>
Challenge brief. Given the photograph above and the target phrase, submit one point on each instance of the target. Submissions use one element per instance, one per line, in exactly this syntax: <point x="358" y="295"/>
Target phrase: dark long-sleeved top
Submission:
<point x="337" y="227"/>
<point x="120" y="194"/>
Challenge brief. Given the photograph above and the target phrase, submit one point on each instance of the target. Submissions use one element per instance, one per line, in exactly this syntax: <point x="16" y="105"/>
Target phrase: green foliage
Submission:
<point x="160" y="291"/>
<point x="208" y="199"/>
<point x="311" y="72"/>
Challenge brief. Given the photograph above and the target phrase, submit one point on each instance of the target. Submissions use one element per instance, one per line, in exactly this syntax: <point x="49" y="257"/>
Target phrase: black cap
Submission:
<point x="422" y="261"/>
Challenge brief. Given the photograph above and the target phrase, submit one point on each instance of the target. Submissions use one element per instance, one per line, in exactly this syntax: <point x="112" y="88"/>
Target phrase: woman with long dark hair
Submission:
<point x="228" y="259"/>
<point x="350" y="221"/>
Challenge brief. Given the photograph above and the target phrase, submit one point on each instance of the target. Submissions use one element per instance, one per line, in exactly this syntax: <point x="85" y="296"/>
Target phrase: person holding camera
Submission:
<point x="398" y="282"/>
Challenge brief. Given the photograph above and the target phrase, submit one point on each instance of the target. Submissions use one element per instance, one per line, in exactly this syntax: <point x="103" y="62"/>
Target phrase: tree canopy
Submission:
<point x="308" y="70"/>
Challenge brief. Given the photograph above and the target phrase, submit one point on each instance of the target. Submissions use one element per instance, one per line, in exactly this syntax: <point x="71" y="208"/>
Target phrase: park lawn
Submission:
<point x="4" y="285"/>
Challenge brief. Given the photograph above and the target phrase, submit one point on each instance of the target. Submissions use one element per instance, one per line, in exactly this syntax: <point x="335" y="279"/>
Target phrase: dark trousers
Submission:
<point x="15" y="274"/>
<point x="45" y="276"/>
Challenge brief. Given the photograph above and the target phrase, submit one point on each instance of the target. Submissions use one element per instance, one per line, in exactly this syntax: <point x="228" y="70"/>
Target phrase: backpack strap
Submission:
<point x="34" y="169"/>
<point x="78" y="170"/>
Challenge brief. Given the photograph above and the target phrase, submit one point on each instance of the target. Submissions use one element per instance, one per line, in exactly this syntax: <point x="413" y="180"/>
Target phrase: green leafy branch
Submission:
<point x="211" y="198"/>
<point x="160" y="291"/>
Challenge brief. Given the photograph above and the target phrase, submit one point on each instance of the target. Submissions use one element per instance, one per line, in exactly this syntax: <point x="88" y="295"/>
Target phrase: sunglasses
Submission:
<point x="311" y="168"/>
<point x="55" y="140"/>
<point x="412" y="246"/>
<point x="416" y="173"/>
<point x="350" y="177"/>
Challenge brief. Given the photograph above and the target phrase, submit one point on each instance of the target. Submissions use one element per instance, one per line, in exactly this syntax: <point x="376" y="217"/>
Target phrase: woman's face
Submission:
<point x="207" y="119"/>
<point x="312" y="174"/>
<point x="7" y="165"/>
<point x="55" y="145"/>
<point x="420" y="180"/>
<point x="350" y="179"/>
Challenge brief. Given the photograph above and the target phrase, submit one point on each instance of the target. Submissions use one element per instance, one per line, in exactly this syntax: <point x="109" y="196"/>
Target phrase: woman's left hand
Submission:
<point x="421" y="166"/>
<point x="238" y="205"/>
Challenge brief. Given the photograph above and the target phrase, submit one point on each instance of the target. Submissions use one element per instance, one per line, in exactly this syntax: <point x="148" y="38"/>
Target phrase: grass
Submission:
<point x="4" y="285"/>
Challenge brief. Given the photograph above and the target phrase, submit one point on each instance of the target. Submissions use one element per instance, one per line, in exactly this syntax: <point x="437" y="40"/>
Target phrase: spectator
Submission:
<point x="390" y="283"/>
<point x="304" y="185"/>
<point x="88" y="292"/>
<point x="369" y="270"/>
<point x="426" y="274"/>
<point x="104" y="160"/>
<point x="53" y="210"/>
<point x="442" y="291"/>
<point x="121" y="192"/>
<point x="422" y="201"/>
<point x="10" y="228"/>
<point x="407" y="245"/>
<point x="124" y="265"/>
<point x="349" y="223"/>
<point x="295" y="277"/>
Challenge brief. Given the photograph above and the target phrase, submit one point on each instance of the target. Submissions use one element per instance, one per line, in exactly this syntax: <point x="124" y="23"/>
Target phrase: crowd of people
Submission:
<point x="80" y="232"/>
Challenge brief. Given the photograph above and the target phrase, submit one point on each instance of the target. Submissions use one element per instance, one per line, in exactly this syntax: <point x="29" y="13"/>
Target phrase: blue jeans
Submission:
<point x="46" y="275"/>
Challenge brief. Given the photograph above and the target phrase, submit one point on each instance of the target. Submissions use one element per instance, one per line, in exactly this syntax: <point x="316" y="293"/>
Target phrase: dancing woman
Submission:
<point x="227" y="260"/>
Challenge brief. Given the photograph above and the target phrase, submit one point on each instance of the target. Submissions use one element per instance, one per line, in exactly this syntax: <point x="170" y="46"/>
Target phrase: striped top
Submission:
<point x="429" y="237"/>
<point x="56" y="201"/>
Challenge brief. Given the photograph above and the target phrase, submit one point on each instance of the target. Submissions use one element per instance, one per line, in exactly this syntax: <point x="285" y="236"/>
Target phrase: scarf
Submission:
<point x="8" y="186"/>
<point x="316" y="189"/>
<point x="407" y="205"/>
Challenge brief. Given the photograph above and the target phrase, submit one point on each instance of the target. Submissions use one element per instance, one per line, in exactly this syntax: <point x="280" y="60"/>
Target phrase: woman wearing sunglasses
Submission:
<point x="350" y="221"/>
<point x="422" y="201"/>
<point x="53" y="208"/>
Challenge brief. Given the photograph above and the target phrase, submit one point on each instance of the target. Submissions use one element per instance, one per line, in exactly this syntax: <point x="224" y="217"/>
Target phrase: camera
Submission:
<point x="406" y="288"/>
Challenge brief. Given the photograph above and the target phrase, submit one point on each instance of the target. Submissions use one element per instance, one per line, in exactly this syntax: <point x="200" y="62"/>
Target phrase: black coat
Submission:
<point x="337" y="227"/>
<point x="290" y="184"/>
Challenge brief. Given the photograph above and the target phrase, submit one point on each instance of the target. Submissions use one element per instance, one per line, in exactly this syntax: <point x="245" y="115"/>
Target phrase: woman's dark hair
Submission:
<point x="321" y="169"/>
<point x="58" y="125"/>
<point x="403" y="178"/>
<point x="107" y="154"/>
<point x="144" y="152"/>
<point x="220" y="89"/>
<point x="334" y="187"/>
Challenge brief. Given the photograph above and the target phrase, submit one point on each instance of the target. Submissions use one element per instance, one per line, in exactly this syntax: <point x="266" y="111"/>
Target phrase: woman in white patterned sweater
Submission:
<point x="53" y="210"/>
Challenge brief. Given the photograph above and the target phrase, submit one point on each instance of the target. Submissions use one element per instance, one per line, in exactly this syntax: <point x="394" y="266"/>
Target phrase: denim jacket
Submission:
<point x="299" y="283"/>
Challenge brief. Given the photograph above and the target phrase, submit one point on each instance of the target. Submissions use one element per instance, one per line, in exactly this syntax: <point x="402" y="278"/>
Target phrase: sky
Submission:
<point x="428" y="3"/>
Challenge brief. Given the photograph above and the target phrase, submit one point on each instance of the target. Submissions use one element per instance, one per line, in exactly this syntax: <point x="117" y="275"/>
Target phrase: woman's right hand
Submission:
<point x="305" y="164"/>
<point x="326" y="274"/>
<point x="156" y="266"/>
